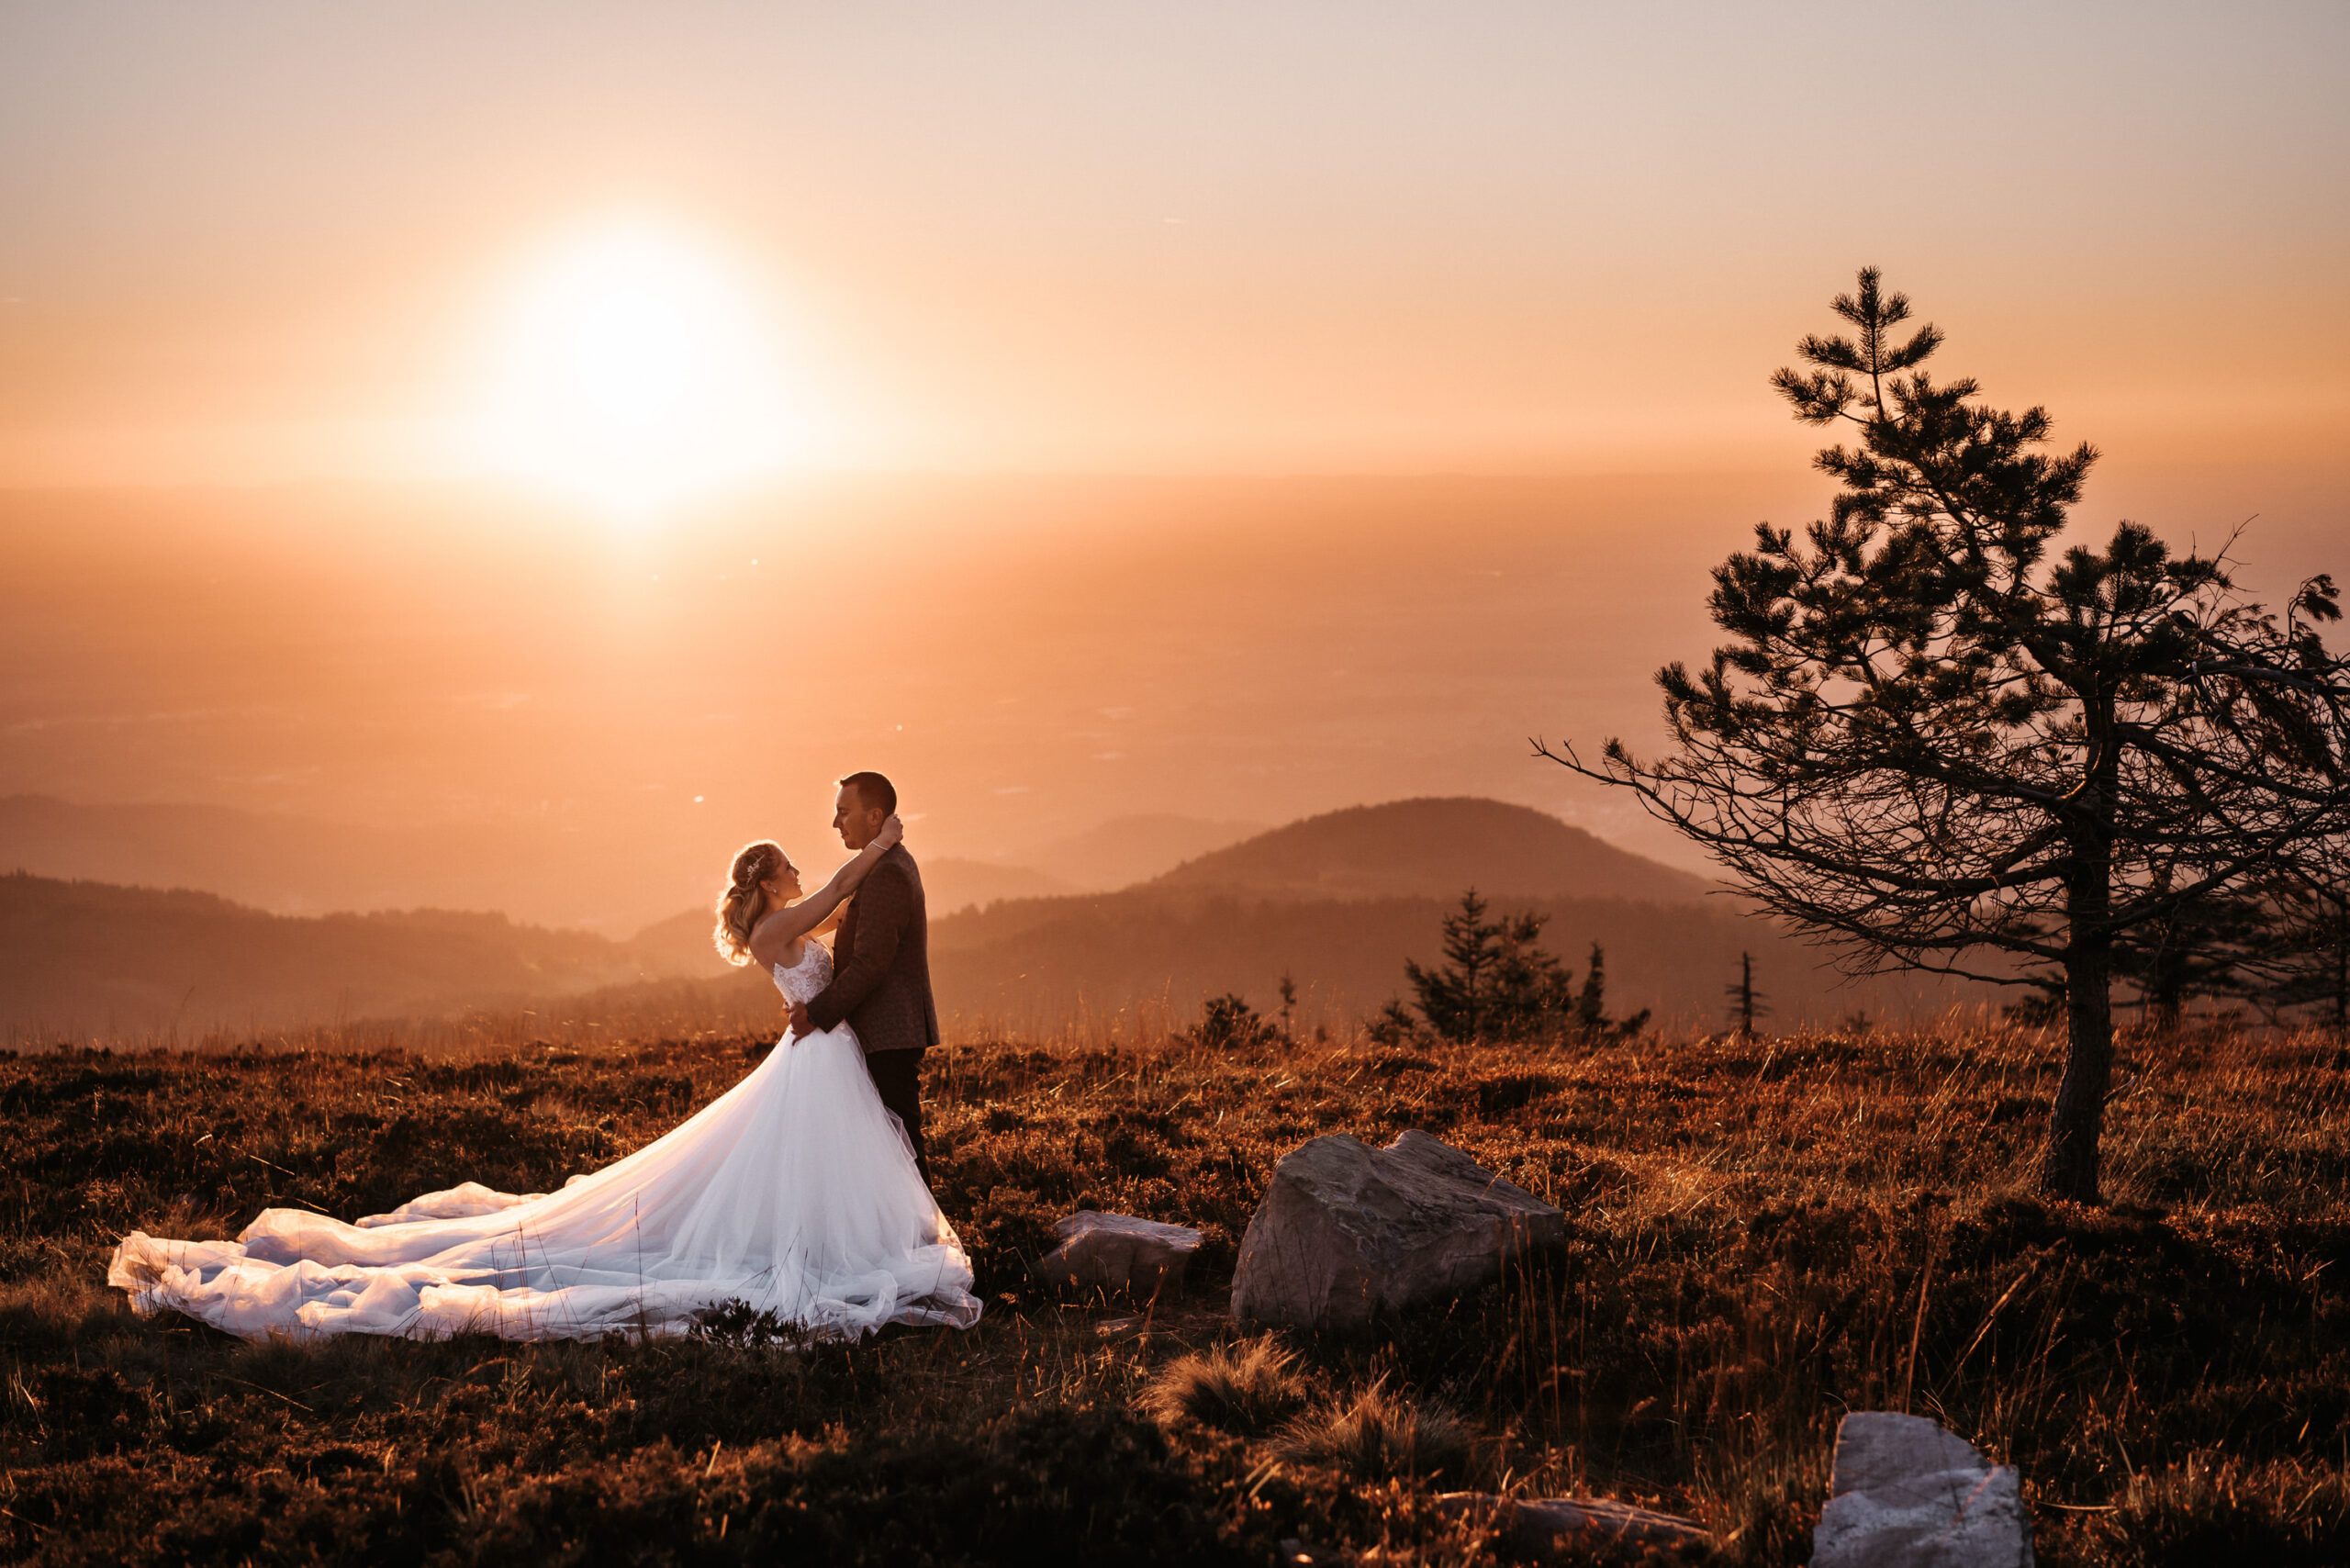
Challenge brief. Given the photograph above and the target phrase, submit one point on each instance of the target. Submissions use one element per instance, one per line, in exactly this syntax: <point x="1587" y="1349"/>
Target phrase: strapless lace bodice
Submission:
<point x="803" y="980"/>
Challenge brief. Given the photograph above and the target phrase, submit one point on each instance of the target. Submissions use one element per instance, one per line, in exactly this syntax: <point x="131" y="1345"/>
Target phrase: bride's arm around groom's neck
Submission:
<point x="772" y="937"/>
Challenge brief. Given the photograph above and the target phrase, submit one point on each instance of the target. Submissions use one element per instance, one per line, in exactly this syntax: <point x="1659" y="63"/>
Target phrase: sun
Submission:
<point x="634" y="371"/>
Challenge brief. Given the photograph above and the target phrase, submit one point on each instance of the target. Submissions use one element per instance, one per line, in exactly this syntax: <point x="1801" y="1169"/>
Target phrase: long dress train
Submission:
<point x="795" y="1191"/>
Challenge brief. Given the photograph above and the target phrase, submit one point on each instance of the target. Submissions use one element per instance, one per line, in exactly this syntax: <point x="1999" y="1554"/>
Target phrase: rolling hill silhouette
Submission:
<point x="681" y="944"/>
<point x="1433" y="849"/>
<point x="91" y="958"/>
<point x="1339" y="902"/>
<point x="536" y="871"/>
<point x="296" y="865"/>
<point x="1036" y="965"/>
<point x="952" y="883"/>
<point x="1336" y="901"/>
<point x="1129" y="849"/>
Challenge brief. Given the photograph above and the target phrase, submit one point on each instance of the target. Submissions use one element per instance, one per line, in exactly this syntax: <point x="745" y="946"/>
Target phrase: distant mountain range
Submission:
<point x="296" y="865"/>
<point x="533" y="869"/>
<point x="1336" y="901"/>
<point x="1036" y="965"/>
<point x="1432" y="848"/>
<point x="952" y="884"/>
<point x="87" y="957"/>
<point x="1339" y="902"/>
<point x="1125" y="850"/>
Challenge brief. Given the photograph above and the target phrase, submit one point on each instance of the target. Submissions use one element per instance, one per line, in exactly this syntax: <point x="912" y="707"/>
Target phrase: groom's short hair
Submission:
<point x="872" y="790"/>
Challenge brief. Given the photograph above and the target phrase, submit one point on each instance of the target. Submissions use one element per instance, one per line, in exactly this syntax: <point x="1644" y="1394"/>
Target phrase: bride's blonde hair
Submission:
<point x="738" y="906"/>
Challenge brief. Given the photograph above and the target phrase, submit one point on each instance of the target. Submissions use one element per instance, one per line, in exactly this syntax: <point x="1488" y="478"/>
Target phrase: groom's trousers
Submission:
<point x="898" y="1075"/>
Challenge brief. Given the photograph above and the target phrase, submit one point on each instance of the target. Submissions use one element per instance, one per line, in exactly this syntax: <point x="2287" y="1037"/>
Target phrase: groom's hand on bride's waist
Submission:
<point x="800" y="1020"/>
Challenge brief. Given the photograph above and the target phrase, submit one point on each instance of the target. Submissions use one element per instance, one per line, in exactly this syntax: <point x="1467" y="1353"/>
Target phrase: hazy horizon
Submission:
<point x="561" y="441"/>
<point x="1054" y="652"/>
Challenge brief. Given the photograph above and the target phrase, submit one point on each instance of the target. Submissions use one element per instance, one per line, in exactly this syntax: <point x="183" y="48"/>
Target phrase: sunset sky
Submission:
<point x="254" y="243"/>
<point x="526" y="413"/>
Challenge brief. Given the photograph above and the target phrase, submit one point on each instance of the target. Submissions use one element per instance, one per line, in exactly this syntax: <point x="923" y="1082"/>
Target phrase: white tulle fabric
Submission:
<point x="795" y="1191"/>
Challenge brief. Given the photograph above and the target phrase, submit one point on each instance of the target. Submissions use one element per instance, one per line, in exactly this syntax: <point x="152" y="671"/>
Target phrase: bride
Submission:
<point x="795" y="1191"/>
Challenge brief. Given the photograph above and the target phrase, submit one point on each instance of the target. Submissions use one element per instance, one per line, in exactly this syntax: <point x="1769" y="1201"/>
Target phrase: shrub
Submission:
<point x="1246" y="1389"/>
<point x="1228" y="1020"/>
<point x="1379" y="1435"/>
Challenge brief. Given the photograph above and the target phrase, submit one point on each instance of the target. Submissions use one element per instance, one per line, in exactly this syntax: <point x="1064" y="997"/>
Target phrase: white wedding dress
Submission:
<point x="795" y="1191"/>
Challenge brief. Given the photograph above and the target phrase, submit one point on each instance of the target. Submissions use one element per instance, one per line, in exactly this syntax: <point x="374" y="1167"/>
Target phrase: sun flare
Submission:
<point x="635" y="372"/>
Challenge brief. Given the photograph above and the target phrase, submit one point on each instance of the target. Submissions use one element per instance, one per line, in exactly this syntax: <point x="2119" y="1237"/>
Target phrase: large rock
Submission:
<point x="1118" y="1252"/>
<point x="1907" y="1493"/>
<point x="1561" y="1529"/>
<point x="1347" y="1231"/>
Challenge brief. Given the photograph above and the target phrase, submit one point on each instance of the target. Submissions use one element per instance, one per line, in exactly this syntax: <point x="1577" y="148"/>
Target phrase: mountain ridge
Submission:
<point x="1337" y="901"/>
<point x="83" y="955"/>
<point x="1434" y="846"/>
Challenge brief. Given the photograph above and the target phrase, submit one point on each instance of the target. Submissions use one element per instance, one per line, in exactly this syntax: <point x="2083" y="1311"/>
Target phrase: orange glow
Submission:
<point x="1219" y="411"/>
<point x="634" y="374"/>
<point x="1206" y="240"/>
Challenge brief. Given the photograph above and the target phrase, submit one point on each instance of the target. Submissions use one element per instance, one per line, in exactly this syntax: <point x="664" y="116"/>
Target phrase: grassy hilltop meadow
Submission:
<point x="1761" y="1233"/>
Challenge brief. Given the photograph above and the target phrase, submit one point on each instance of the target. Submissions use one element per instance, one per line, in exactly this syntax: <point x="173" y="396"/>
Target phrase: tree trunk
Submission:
<point x="2167" y="995"/>
<point x="2341" y="967"/>
<point x="2068" y="1166"/>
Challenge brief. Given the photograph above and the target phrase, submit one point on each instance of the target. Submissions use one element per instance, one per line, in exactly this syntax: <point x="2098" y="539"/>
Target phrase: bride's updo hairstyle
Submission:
<point x="738" y="906"/>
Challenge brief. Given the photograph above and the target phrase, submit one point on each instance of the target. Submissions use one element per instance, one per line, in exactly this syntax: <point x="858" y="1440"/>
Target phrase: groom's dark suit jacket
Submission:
<point x="881" y="963"/>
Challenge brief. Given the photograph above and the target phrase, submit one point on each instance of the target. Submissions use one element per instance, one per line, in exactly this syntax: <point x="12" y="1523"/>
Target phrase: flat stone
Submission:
<point x="1556" y="1529"/>
<point x="1346" y="1231"/>
<point x="1118" y="1252"/>
<point x="1906" y="1492"/>
<point x="1876" y="1447"/>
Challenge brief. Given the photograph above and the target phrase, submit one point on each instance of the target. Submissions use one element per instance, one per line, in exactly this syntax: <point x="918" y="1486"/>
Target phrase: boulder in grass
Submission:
<point x="1906" y="1492"/>
<point x="1347" y="1231"/>
<point x="1118" y="1252"/>
<point x="1573" y="1530"/>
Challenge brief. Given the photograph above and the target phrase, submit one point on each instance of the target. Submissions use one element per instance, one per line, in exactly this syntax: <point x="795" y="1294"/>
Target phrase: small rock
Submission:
<point x="1347" y="1231"/>
<point x="1118" y="1252"/>
<point x="1558" y="1529"/>
<point x="1908" y="1494"/>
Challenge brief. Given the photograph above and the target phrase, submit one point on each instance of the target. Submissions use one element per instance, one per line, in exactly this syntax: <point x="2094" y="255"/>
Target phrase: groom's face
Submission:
<point x="855" y="820"/>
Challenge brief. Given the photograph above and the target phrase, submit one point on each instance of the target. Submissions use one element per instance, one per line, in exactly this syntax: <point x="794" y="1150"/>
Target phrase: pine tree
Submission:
<point x="1746" y="1003"/>
<point x="1591" y="1005"/>
<point x="2306" y="966"/>
<point x="1498" y="984"/>
<point x="1228" y="1021"/>
<point x="2213" y="946"/>
<point x="1495" y="983"/>
<point x="1929" y="734"/>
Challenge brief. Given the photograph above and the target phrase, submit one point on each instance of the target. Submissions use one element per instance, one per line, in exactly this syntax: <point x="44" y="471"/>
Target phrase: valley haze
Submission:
<point x="1334" y="904"/>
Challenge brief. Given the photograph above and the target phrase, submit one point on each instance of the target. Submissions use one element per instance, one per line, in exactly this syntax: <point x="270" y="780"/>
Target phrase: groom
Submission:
<point x="882" y="962"/>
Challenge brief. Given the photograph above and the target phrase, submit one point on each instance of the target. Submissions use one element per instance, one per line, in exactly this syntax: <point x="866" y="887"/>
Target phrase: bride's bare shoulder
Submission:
<point x="774" y="950"/>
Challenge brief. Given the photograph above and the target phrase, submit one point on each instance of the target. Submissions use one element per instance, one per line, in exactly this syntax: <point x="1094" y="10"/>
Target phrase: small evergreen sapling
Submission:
<point x="1746" y="1003"/>
<point x="1498" y="984"/>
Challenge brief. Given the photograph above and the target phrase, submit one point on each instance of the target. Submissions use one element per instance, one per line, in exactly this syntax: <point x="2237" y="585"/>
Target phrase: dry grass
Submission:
<point x="1375" y="1436"/>
<point x="1246" y="1389"/>
<point x="1761" y="1233"/>
<point x="2217" y="1508"/>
